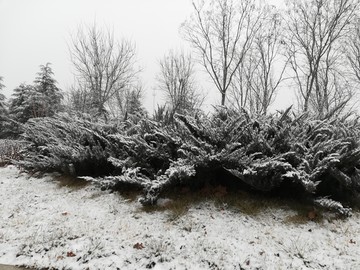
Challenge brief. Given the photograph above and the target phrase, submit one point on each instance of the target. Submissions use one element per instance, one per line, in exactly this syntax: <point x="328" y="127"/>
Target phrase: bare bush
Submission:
<point x="10" y="150"/>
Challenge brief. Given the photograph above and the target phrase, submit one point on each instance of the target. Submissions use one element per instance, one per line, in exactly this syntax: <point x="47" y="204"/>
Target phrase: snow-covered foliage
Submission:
<point x="50" y="95"/>
<point x="3" y="112"/>
<point x="2" y="98"/>
<point x="24" y="103"/>
<point x="278" y="153"/>
<point x="67" y="145"/>
<point x="41" y="99"/>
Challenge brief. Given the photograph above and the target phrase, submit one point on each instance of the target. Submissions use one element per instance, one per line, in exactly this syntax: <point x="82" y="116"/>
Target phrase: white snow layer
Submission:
<point x="45" y="225"/>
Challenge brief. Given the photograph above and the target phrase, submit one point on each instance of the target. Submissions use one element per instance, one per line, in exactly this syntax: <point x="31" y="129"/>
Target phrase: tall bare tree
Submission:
<point x="258" y="77"/>
<point x="222" y="32"/>
<point x="103" y="65"/>
<point x="352" y="50"/>
<point x="241" y="93"/>
<point x="176" y="80"/>
<point x="315" y="30"/>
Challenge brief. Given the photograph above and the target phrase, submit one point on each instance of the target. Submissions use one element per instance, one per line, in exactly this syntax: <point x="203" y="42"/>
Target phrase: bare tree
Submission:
<point x="222" y="32"/>
<point x="103" y="65"/>
<point x="241" y="92"/>
<point x="258" y="77"/>
<point x="79" y="99"/>
<point x="176" y="80"/>
<point x="352" y="50"/>
<point x="316" y="29"/>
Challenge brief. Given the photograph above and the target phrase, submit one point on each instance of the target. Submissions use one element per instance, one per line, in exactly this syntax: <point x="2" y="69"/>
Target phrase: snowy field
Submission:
<point x="44" y="224"/>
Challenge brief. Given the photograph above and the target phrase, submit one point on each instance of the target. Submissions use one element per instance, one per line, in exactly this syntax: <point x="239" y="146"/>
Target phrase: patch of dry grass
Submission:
<point x="179" y="201"/>
<point x="70" y="181"/>
<point x="177" y="205"/>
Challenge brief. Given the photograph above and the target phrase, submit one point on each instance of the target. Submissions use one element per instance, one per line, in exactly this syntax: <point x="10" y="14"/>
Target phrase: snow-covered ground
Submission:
<point x="46" y="225"/>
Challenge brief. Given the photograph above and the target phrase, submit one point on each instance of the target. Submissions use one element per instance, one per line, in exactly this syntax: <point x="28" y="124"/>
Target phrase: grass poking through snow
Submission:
<point x="178" y="202"/>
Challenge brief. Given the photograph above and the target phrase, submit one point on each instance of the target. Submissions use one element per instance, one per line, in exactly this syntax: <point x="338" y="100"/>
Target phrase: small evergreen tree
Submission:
<point x="50" y="95"/>
<point x="39" y="100"/>
<point x="2" y="98"/>
<point x="133" y="104"/>
<point x="128" y="104"/>
<point x="24" y="103"/>
<point x="3" y="111"/>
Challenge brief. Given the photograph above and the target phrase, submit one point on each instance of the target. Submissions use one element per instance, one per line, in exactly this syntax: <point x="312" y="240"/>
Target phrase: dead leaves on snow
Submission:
<point x="70" y="254"/>
<point x="138" y="246"/>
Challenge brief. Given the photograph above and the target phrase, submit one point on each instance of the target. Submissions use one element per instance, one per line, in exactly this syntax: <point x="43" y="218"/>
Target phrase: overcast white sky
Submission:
<point x="34" y="32"/>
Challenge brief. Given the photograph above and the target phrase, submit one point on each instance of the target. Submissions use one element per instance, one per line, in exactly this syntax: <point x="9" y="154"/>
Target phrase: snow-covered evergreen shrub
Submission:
<point x="281" y="153"/>
<point x="67" y="145"/>
<point x="82" y="148"/>
<point x="317" y="158"/>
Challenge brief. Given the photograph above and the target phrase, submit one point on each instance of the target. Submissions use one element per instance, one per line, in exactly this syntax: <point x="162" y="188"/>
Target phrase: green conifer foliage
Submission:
<point x="49" y="94"/>
<point x="24" y="103"/>
<point x="315" y="159"/>
<point x="39" y="100"/>
<point x="2" y="98"/>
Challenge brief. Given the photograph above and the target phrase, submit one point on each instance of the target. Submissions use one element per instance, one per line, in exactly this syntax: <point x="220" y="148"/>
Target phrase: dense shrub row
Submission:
<point x="318" y="159"/>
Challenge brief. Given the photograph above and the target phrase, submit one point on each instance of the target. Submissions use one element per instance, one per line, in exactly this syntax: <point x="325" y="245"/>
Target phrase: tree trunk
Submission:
<point x="223" y="96"/>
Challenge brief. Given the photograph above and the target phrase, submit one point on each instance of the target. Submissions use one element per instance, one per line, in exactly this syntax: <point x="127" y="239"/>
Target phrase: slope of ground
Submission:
<point x="47" y="225"/>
